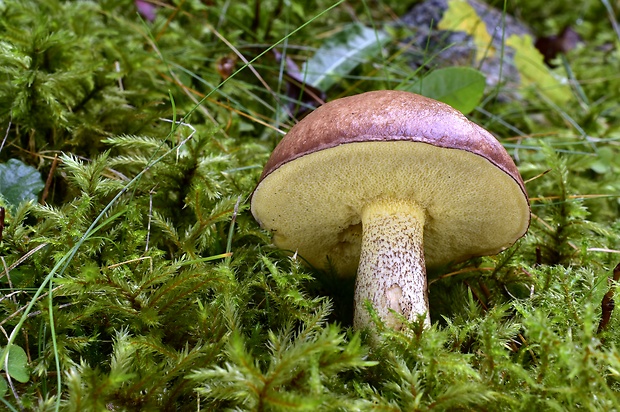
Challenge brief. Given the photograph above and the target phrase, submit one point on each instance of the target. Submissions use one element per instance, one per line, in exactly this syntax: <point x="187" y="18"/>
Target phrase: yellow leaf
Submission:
<point x="533" y="71"/>
<point x="461" y="16"/>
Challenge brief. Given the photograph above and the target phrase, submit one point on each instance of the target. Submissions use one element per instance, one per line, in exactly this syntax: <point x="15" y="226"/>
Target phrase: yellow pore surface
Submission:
<point x="314" y="203"/>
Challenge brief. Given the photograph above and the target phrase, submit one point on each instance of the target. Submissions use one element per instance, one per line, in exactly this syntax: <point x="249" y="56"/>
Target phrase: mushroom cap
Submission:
<point x="390" y="145"/>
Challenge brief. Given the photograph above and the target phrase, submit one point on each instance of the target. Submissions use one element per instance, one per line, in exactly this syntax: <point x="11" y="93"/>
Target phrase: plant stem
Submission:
<point x="392" y="272"/>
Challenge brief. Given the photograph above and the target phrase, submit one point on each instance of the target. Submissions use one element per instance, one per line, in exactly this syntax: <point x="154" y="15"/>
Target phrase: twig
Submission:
<point x="2" y="216"/>
<point x="32" y="314"/>
<point x="600" y="249"/>
<point x="6" y="135"/>
<point x="8" y="278"/>
<point x="132" y="261"/>
<point x="537" y="176"/>
<point x="148" y="227"/>
<point x="26" y="256"/>
<point x="458" y="272"/>
<point x="252" y="69"/>
<point x="48" y="182"/>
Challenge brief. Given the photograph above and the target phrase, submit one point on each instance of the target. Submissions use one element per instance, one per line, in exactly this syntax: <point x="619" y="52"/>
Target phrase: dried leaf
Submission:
<point x="303" y="97"/>
<point x="461" y="16"/>
<point x="534" y="73"/>
<point x="551" y="46"/>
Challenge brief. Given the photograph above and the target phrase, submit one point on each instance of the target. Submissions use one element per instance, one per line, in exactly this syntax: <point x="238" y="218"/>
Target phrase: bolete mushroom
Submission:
<point x="386" y="183"/>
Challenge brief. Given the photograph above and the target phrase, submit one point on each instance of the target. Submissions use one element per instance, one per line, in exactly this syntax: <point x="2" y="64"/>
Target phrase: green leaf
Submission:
<point x="19" y="182"/>
<point x="17" y="366"/>
<point x="342" y="53"/>
<point x="460" y="87"/>
<point x="535" y="75"/>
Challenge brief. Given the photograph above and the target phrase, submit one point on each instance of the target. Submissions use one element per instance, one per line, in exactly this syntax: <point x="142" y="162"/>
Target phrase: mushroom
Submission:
<point x="384" y="184"/>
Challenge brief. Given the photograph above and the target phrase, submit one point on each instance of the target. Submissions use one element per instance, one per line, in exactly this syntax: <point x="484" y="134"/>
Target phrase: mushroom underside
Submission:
<point x="314" y="203"/>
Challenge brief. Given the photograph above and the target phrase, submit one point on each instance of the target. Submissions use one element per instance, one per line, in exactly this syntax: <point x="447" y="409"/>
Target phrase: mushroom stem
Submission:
<point x="392" y="272"/>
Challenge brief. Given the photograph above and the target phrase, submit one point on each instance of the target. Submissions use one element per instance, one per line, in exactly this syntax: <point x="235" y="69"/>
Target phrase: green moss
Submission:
<point x="144" y="283"/>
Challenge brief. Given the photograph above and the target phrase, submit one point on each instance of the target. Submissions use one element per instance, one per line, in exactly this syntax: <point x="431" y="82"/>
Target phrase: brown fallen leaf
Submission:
<point x="551" y="46"/>
<point x="608" y="304"/>
<point x="303" y="97"/>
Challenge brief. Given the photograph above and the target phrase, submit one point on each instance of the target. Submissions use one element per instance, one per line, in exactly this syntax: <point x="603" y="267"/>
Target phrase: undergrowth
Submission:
<point x="142" y="282"/>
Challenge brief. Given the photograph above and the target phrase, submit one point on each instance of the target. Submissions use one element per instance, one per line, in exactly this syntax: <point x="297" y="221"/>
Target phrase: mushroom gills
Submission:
<point x="311" y="203"/>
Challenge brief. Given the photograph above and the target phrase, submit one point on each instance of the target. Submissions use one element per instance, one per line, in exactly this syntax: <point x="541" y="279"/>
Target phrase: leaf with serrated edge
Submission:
<point x="342" y="53"/>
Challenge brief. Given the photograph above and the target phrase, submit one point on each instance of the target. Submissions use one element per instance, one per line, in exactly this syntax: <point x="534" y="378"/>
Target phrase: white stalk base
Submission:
<point x="392" y="272"/>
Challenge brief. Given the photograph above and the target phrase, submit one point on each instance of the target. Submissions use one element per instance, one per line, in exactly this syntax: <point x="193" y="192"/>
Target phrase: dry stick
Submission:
<point x="8" y="278"/>
<point x="538" y="256"/>
<point x="602" y="249"/>
<point x="148" y="227"/>
<point x="608" y="304"/>
<point x="31" y="314"/>
<point x="537" y="176"/>
<point x="6" y="135"/>
<point x="132" y="261"/>
<point x="48" y="182"/>
<point x="2" y="216"/>
<point x="26" y="256"/>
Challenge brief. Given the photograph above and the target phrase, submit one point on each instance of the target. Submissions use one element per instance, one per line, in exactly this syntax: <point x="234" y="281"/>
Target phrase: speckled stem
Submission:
<point x="391" y="273"/>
